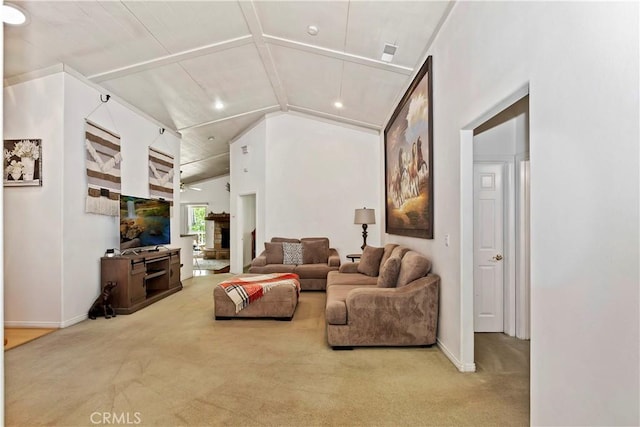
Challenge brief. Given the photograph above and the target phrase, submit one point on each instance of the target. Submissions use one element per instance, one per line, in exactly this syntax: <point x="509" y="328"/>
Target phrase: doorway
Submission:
<point x="195" y="215"/>
<point x="470" y="140"/>
<point x="247" y="223"/>
<point x="500" y="226"/>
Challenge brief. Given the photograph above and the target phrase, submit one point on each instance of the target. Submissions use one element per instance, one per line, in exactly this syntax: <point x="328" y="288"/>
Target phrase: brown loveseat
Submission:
<point x="387" y="299"/>
<point x="314" y="260"/>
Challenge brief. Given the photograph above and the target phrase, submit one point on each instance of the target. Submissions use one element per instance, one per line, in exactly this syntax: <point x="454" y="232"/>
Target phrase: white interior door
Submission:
<point x="488" y="242"/>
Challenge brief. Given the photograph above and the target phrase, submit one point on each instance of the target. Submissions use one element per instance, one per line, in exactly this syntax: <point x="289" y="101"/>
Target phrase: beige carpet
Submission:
<point x="171" y="364"/>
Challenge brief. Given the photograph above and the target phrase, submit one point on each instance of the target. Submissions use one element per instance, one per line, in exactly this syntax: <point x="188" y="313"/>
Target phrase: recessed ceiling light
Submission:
<point x="211" y="138"/>
<point x="312" y="30"/>
<point x="13" y="15"/>
<point x="218" y="105"/>
<point x="338" y="104"/>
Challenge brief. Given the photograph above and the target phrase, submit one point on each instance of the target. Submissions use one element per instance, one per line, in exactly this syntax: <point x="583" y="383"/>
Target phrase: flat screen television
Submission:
<point x="144" y="222"/>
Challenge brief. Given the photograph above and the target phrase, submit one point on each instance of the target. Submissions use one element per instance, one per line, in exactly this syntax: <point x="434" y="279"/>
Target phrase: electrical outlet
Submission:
<point x="446" y="240"/>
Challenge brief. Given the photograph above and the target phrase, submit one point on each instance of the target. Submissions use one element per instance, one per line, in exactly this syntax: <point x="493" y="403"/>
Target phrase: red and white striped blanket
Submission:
<point x="245" y="290"/>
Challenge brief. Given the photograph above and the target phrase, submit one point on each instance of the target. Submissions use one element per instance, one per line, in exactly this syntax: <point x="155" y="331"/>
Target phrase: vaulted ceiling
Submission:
<point x="175" y="60"/>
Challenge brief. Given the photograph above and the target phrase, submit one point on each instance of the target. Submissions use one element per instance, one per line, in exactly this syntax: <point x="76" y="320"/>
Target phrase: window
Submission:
<point x="195" y="222"/>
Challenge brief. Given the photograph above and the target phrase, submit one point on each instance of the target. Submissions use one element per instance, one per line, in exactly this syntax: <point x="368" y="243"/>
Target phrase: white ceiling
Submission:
<point x="174" y="59"/>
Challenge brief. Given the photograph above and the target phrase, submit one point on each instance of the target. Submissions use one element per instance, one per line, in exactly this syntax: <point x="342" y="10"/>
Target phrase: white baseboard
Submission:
<point x="462" y="367"/>
<point x="74" y="320"/>
<point x="45" y="325"/>
<point x="27" y="324"/>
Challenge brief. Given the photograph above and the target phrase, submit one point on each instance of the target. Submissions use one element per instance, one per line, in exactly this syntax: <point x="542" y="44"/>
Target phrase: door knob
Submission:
<point x="497" y="257"/>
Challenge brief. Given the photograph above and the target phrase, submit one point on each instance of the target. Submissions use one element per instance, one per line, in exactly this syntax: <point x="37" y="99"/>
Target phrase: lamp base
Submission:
<point x="364" y="236"/>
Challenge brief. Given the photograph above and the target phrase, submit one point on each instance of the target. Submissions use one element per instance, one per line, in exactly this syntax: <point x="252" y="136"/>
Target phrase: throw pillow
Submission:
<point x="399" y="251"/>
<point x="389" y="273"/>
<point x="315" y="251"/>
<point x="309" y="239"/>
<point x="413" y="266"/>
<point x="292" y="253"/>
<point x="388" y="248"/>
<point x="273" y="252"/>
<point x="370" y="261"/>
<point x="284" y="239"/>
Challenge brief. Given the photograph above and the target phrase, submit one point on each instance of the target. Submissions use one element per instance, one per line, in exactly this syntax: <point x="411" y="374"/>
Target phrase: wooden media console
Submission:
<point x="142" y="278"/>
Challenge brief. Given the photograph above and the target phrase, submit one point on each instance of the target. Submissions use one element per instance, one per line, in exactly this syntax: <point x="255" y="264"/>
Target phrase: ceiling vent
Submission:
<point x="388" y="52"/>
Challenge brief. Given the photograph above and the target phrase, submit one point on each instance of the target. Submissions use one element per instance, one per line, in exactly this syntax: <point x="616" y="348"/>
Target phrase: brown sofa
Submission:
<point x="387" y="299"/>
<point x="316" y="261"/>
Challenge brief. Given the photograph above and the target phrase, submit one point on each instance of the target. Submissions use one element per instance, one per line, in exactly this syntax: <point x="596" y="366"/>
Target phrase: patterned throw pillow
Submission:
<point x="291" y="253"/>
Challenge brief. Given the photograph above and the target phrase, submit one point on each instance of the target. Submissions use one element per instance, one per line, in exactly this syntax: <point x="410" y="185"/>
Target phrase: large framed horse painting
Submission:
<point x="408" y="142"/>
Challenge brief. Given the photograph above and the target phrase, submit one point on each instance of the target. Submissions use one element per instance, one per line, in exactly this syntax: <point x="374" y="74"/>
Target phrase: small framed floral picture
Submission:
<point x="22" y="162"/>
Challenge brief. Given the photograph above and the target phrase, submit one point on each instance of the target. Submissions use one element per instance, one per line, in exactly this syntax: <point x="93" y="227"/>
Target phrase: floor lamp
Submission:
<point x="364" y="216"/>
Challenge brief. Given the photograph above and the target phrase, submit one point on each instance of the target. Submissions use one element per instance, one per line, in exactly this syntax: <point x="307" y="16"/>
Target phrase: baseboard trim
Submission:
<point x="74" y="320"/>
<point x="27" y="324"/>
<point x="45" y="325"/>
<point x="462" y="367"/>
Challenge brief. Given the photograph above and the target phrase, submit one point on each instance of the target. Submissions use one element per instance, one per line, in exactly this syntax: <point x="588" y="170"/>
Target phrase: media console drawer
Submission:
<point x="142" y="278"/>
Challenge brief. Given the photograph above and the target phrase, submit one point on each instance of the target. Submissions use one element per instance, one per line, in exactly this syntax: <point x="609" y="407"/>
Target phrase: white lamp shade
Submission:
<point x="365" y="216"/>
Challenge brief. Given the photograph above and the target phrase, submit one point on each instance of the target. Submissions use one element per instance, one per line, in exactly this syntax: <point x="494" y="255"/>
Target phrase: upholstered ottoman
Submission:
<point x="279" y="301"/>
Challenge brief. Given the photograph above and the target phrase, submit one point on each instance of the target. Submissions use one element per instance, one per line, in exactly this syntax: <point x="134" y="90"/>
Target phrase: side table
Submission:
<point x="353" y="257"/>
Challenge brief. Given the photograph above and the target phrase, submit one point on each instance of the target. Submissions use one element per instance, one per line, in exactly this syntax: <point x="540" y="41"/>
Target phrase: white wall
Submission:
<point x="87" y="236"/>
<point x="213" y="192"/>
<point x="499" y="140"/>
<point x="580" y="61"/>
<point x="318" y="173"/>
<point x="506" y="134"/>
<point x="50" y="224"/>
<point x="33" y="231"/>
<point x="309" y="175"/>
<point x="247" y="177"/>
<point x="186" y="256"/>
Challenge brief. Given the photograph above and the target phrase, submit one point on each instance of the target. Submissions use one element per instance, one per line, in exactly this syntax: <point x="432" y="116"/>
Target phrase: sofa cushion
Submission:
<point x="389" y="273"/>
<point x="336" y="278"/>
<point x="388" y="249"/>
<point x="399" y="251"/>
<point x="349" y="267"/>
<point x="313" y="239"/>
<point x="284" y="239"/>
<point x="273" y="252"/>
<point x="370" y="261"/>
<point x="291" y="253"/>
<point x="315" y="251"/>
<point x="313" y="271"/>
<point x="412" y="267"/>
<point x="272" y="268"/>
